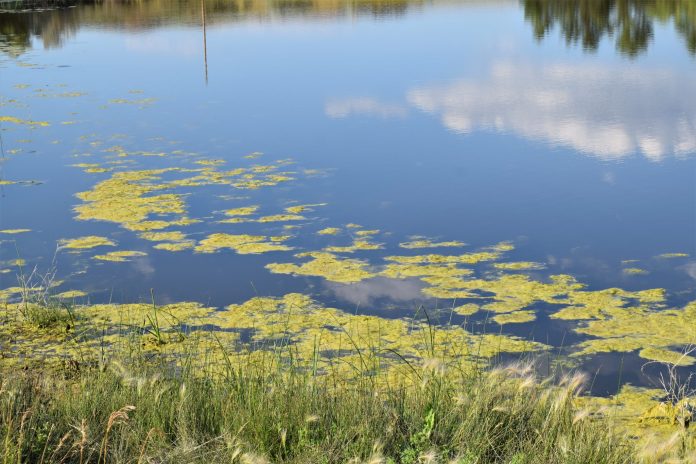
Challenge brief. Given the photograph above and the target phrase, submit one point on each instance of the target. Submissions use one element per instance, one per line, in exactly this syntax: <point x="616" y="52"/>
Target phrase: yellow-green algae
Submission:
<point x="467" y="309"/>
<point x="243" y="211"/>
<point x="660" y="334"/>
<point x="83" y="243"/>
<point x="357" y="245"/>
<point x="329" y="231"/>
<point x="519" y="266"/>
<point x="331" y="340"/>
<point x="126" y="198"/>
<point x="366" y="233"/>
<point x="23" y="121"/>
<point x="242" y="244"/>
<point x="297" y="209"/>
<point x="673" y="255"/>
<point x="314" y="329"/>
<point x="281" y="218"/>
<point x="14" y="231"/>
<point x="69" y="294"/>
<point x="175" y="246"/>
<point x="635" y="271"/>
<point x="645" y="415"/>
<point x="419" y="242"/>
<point x="516" y="317"/>
<point x="119" y="256"/>
<point x="170" y="236"/>
<point x="326" y="265"/>
<point x="132" y="198"/>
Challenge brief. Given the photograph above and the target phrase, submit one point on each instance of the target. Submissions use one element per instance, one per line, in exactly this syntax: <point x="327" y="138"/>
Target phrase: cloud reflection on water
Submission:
<point x="603" y="111"/>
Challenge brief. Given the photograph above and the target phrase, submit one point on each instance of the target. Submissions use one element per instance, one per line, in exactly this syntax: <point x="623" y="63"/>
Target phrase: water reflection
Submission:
<point x="630" y="22"/>
<point x="53" y="27"/>
<point x="599" y="110"/>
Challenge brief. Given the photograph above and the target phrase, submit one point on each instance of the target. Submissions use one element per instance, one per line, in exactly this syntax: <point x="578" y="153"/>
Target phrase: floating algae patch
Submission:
<point x="281" y="218"/>
<point x="436" y="272"/>
<point x="119" y="256"/>
<point x="466" y="258"/>
<point x="673" y="255"/>
<point x="127" y="199"/>
<point x="170" y="236"/>
<point x="297" y="209"/>
<point x="468" y="309"/>
<point x="92" y="168"/>
<point x="659" y="334"/>
<point x="635" y="271"/>
<point x="357" y="245"/>
<point x="23" y="121"/>
<point x="646" y="415"/>
<point x="517" y="317"/>
<point x="420" y="242"/>
<point x="10" y="292"/>
<point x="242" y="244"/>
<point x="520" y="266"/>
<point x="358" y="340"/>
<point x="70" y="294"/>
<point x="85" y="243"/>
<point x="367" y="233"/>
<point x="243" y="211"/>
<point x="14" y="231"/>
<point x="326" y="265"/>
<point x="329" y="231"/>
<point x="125" y="101"/>
<point x="175" y="246"/>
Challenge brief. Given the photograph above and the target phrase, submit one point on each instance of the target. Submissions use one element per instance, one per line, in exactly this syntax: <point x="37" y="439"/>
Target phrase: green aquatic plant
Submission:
<point x="84" y="243"/>
<point x="326" y="265"/>
<point x="634" y="271"/>
<point x="656" y="333"/>
<point x="297" y="209"/>
<point x="520" y="266"/>
<point x="14" y="231"/>
<point x="357" y="245"/>
<point x="175" y="246"/>
<point x="169" y="236"/>
<point x="242" y="244"/>
<point x="422" y="242"/>
<point x="673" y="255"/>
<point x="119" y="256"/>
<point x="243" y="211"/>
<point x="23" y="121"/>
<point x="329" y="231"/>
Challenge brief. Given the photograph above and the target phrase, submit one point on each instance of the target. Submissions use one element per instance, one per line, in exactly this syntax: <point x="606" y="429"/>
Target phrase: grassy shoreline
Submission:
<point x="134" y="384"/>
<point x="129" y="412"/>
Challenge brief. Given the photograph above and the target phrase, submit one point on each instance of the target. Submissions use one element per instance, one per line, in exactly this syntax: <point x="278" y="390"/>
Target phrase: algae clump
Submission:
<point x="88" y="242"/>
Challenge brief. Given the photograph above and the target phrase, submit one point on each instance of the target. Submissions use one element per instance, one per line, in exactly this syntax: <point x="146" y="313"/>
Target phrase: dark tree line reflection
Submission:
<point x="629" y="22"/>
<point x="52" y="26"/>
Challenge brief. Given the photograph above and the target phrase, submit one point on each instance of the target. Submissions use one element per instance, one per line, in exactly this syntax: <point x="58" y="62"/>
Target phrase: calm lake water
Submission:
<point x="473" y="121"/>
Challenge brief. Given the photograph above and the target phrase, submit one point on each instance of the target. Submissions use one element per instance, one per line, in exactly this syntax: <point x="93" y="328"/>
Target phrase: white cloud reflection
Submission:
<point x="607" y="112"/>
<point x="366" y="292"/>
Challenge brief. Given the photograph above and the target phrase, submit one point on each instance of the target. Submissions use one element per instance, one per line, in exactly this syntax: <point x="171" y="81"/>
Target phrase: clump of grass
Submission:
<point x="37" y="306"/>
<point x="147" y="413"/>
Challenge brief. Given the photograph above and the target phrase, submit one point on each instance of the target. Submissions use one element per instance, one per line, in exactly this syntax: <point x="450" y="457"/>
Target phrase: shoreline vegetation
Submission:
<point x="150" y="390"/>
